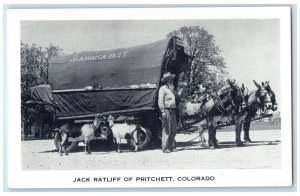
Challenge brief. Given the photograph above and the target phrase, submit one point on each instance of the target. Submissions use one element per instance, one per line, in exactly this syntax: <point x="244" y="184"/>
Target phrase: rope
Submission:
<point x="189" y="134"/>
<point x="193" y="139"/>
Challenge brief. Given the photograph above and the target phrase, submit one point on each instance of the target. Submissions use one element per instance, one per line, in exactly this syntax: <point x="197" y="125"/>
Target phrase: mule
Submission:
<point x="266" y="86"/>
<point x="262" y="98"/>
<point x="218" y="109"/>
<point x="126" y="131"/>
<point x="234" y="101"/>
<point x="254" y="99"/>
<point x="192" y="110"/>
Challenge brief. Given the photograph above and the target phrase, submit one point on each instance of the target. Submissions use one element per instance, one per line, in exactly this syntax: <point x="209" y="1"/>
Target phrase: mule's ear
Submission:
<point x="230" y="84"/>
<point x="256" y="84"/>
<point x="262" y="83"/>
<point x="243" y="87"/>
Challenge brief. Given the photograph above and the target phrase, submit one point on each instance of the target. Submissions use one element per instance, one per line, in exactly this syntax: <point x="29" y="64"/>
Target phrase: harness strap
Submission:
<point x="220" y="105"/>
<point x="112" y="125"/>
<point x="94" y="127"/>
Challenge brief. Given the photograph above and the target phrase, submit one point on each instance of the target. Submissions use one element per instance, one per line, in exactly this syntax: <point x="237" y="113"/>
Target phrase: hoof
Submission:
<point x="119" y="151"/>
<point x="60" y="155"/>
<point x="248" y="141"/>
<point x="240" y="144"/>
<point x="66" y="154"/>
<point x="212" y="147"/>
<point x="204" y="146"/>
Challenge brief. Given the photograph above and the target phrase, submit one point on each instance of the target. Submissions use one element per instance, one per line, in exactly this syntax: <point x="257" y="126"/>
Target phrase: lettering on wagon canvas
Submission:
<point x="98" y="57"/>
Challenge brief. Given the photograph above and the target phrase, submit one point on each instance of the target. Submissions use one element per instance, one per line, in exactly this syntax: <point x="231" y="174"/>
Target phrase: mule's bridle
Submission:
<point x="259" y="96"/>
<point x="238" y="107"/>
<point x="271" y="94"/>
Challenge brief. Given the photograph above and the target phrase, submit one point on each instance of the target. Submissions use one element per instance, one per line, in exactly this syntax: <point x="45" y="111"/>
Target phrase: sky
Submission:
<point x="251" y="48"/>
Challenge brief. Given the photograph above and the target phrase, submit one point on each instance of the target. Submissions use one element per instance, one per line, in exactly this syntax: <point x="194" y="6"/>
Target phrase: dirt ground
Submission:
<point x="264" y="152"/>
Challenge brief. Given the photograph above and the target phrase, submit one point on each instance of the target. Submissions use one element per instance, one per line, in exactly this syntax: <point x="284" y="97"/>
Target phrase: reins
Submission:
<point x="193" y="139"/>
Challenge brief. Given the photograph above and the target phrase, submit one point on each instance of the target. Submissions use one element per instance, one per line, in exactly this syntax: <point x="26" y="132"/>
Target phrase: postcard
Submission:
<point x="149" y="97"/>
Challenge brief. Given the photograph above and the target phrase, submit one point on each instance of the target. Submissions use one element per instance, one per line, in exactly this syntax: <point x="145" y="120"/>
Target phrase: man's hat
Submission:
<point x="167" y="76"/>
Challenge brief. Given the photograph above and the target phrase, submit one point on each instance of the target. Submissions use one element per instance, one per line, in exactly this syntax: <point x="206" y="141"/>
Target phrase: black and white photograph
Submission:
<point x="144" y="96"/>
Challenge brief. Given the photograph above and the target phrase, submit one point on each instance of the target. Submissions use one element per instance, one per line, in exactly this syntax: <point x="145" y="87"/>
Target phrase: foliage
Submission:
<point x="34" y="71"/>
<point x="208" y="66"/>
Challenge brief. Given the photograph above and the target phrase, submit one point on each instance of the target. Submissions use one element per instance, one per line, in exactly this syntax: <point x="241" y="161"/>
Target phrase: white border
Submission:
<point x="224" y="178"/>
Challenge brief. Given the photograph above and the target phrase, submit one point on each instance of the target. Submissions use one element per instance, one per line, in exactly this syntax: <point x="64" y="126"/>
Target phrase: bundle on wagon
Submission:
<point x="120" y="84"/>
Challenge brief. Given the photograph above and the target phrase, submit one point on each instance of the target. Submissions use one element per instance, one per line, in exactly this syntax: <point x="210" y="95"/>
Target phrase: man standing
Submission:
<point x="167" y="106"/>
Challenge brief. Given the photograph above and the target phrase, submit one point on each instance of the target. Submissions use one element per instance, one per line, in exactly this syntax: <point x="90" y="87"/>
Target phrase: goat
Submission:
<point x="126" y="131"/>
<point x="87" y="133"/>
<point x="63" y="133"/>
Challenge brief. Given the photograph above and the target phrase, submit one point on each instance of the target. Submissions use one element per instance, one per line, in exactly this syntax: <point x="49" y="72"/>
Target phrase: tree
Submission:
<point x="208" y="66"/>
<point x="34" y="71"/>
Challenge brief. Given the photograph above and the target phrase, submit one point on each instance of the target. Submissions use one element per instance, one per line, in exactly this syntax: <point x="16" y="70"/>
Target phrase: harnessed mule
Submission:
<point x="232" y="112"/>
<point x="218" y="108"/>
<point x="263" y="97"/>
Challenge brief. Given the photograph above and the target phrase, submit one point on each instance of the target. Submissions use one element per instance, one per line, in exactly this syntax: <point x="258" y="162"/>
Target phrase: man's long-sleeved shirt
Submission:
<point x="166" y="98"/>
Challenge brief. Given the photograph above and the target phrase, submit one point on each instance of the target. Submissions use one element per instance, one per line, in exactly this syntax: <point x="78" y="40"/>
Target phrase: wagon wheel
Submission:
<point x="146" y="138"/>
<point x="70" y="146"/>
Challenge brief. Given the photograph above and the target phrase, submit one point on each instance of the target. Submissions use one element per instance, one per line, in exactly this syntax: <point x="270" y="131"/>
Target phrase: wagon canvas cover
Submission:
<point x="122" y="79"/>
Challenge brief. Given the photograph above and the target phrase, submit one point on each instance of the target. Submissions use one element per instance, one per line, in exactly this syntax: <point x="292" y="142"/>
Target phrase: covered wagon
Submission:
<point x="123" y="82"/>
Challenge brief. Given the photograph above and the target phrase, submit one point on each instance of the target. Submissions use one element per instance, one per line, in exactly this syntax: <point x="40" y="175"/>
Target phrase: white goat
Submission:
<point x="126" y="131"/>
<point x="87" y="132"/>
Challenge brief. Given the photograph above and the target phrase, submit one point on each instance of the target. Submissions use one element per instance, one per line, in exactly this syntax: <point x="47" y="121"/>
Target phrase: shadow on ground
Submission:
<point x="223" y="145"/>
<point x="106" y="148"/>
<point x="98" y="147"/>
